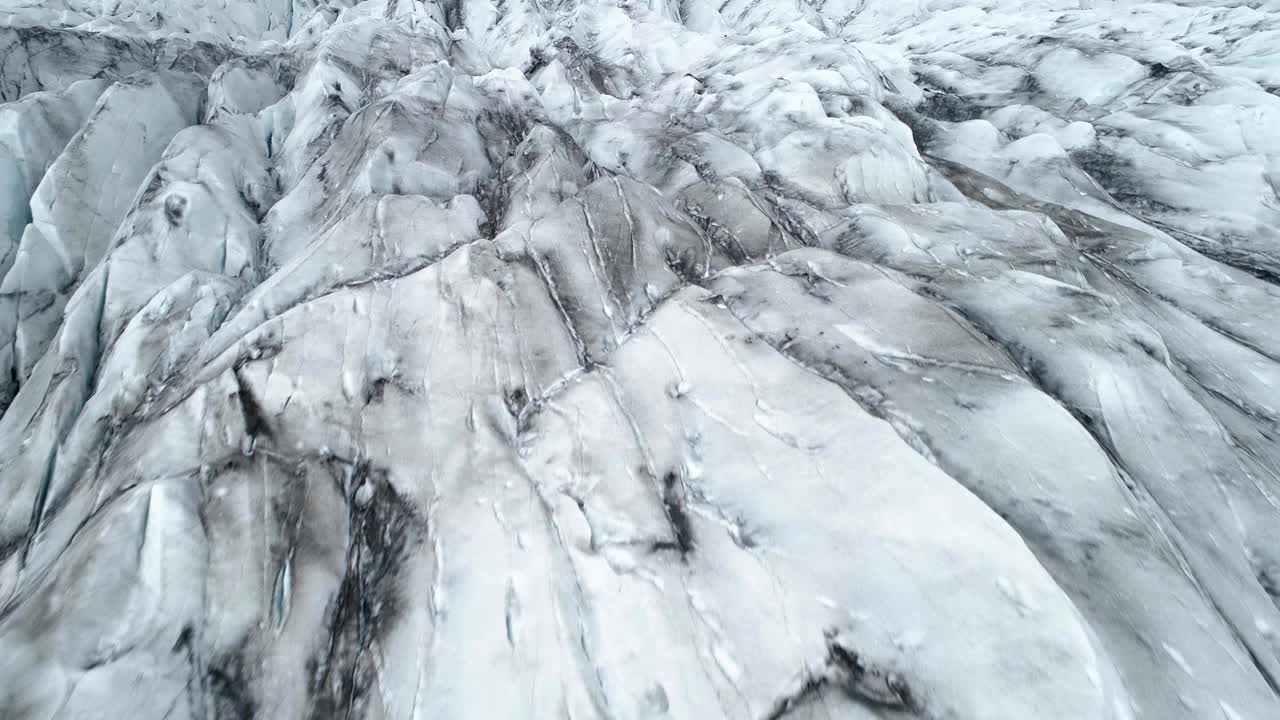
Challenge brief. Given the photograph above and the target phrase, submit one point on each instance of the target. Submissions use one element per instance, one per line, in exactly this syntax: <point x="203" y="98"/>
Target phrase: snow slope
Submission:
<point x="593" y="359"/>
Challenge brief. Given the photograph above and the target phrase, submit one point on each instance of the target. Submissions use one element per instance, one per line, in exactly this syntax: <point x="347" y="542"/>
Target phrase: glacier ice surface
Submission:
<point x="602" y="358"/>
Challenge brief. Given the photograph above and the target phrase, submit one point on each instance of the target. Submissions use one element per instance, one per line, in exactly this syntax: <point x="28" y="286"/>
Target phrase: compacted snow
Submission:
<point x="867" y="359"/>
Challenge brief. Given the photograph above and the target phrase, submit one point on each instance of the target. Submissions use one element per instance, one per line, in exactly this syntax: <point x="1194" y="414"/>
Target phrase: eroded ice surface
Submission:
<point x="583" y="359"/>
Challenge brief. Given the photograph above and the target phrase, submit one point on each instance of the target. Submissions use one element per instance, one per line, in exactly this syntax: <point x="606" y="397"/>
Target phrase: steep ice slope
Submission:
<point x="754" y="359"/>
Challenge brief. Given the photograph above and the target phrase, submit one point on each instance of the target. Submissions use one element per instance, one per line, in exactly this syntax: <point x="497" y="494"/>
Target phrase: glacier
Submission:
<point x="760" y="359"/>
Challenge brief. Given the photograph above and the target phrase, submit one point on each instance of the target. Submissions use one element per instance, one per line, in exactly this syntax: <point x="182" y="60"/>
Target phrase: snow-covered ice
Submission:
<point x="871" y="359"/>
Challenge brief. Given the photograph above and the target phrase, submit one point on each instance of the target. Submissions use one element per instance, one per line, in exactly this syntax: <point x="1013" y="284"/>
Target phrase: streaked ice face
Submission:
<point x="593" y="359"/>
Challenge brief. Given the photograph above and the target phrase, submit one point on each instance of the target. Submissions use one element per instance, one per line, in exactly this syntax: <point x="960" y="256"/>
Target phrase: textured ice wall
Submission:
<point x="755" y="359"/>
